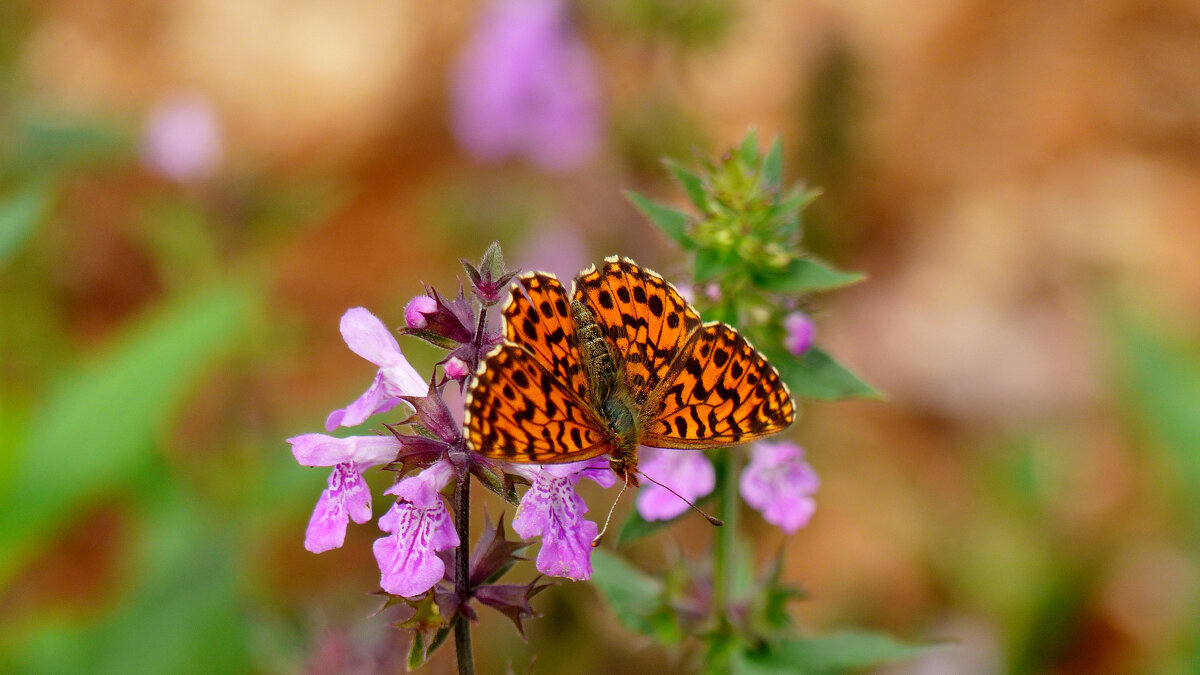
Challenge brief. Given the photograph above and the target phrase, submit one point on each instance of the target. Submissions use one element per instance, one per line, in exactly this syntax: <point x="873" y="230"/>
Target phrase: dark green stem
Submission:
<point x="462" y="578"/>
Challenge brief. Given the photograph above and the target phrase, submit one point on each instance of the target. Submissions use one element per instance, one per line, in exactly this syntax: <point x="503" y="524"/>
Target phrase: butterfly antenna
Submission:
<point x="707" y="516"/>
<point x="596" y="541"/>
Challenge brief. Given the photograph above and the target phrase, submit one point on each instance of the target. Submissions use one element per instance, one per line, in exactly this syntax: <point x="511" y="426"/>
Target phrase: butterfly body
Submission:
<point x="621" y="361"/>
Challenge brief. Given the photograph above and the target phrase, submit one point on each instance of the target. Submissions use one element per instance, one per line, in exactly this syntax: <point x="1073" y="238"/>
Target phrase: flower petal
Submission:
<point x="363" y="451"/>
<point x="327" y="527"/>
<point x="366" y="336"/>
<point x="688" y="472"/>
<point x="408" y="560"/>
<point x="374" y="400"/>
<point x="551" y="508"/>
<point x="779" y="484"/>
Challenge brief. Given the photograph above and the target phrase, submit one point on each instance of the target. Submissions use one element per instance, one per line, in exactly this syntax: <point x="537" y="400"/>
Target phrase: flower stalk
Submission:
<point x="462" y="576"/>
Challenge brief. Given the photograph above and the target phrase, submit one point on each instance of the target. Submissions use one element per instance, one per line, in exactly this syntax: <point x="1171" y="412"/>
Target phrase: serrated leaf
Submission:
<point x="805" y="275"/>
<point x="671" y="222"/>
<point x="692" y="184"/>
<point x="20" y="215"/>
<point x="817" y="375"/>
<point x="772" y="169"/>
<point x="633" y="595"/>
<point x="96" y="430"/>
<point x="833" y="653"/>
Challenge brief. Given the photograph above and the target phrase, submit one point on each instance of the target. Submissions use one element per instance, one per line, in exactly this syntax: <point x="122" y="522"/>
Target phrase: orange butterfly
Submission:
<point x="622" y="361"/>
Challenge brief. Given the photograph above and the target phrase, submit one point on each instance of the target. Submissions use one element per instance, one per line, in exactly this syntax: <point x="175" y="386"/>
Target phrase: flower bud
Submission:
<point x="417" y="309"/>
<point x="800" y="333"/>
<point x="455" y="368"/>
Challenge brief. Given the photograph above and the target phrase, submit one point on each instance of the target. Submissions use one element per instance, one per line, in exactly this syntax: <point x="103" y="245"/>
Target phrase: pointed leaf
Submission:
<point x="711" y="264"/>
<point x="772" y="170"/>
<point x="805" y="275"/>
<point x="748" y="151"/>
<point x="692" y="184"/>
<point x="817" y="375"/>
<point x="672" y="223"/>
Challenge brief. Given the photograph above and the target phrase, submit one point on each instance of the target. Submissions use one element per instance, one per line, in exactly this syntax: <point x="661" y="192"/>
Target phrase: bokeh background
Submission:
<point x="193" y="191"/>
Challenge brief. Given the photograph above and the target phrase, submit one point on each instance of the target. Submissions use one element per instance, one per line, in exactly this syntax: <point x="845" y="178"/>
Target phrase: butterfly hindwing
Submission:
<point x="539" y="319"/>
<point x="644" y="318"/>
<point x="719" y="391"/>
<point x="519" y="411"/>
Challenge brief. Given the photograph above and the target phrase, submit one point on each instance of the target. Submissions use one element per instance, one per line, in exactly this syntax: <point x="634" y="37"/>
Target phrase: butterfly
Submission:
<point x="620" y="361"/>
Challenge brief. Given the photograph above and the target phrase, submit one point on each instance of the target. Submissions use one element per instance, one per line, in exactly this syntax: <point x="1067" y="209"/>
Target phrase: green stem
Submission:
<point x="726" y="538"/>
<point x="462" y="579"/>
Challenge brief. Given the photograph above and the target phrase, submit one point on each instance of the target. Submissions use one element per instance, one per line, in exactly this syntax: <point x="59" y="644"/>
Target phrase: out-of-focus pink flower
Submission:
<point x="420" y="526"/>
<point x="526" y="86"/>
<point x="800" y="333"/>
<point x="347" y="496"/>
<point x="687" y="472"/>
<point x="182" y="138"/>
<point x="779" y="484"/>
<point x="369" y="338"/>
<point x="551" y="508"/>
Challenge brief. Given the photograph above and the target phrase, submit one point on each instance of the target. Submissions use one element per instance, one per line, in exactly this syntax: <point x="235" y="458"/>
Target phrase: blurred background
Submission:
<point x="193" y="191"/>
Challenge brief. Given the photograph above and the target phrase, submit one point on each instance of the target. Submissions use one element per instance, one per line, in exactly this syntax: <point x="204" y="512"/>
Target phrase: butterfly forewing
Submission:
<point x="519" y="411"/>
<point x="645" y="319"/>
<point x="719" y="391"/>
<point x="539" y="319"/>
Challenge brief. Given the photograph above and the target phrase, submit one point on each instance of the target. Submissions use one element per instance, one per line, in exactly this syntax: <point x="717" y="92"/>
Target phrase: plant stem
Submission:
<point x="462" y="580"/>
<point x="725" y="539"/>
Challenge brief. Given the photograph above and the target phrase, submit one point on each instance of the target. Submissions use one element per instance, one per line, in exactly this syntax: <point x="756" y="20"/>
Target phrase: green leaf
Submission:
<point x="833" y="653"/>
<point x="20" y="216"/>
<point x="183" y="615"/>
<point x="1159" y="378"/>
<point x="633" y="595"/>
<point x="805" y="275"/>
<point x="95" y="432"/>
<point x="711" y="264"/>
<point x="817" y="375"/>
<point x="672" y="223"/>
<point x="692" y="184"/>
<point x="772" y="170"/>
<point x="748" y="152"/>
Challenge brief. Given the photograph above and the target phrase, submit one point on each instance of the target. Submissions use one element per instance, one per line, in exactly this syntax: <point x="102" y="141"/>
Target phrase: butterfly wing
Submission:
<point x="718" y="391"/>
<point x="519" y="411"/>
<point x="537" y="316"/>
<point x="644" y="318"/>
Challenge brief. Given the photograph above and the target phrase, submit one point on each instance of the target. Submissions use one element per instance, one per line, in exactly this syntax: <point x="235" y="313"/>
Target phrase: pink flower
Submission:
<point x="347" y="496"/>
<point x="182" y="140"/>
<point x="369" y="338"/>
<point x="687" y="472"/>
<point x="800" y="333"/>
<point x="779" y="484"/>
<point x="526" y="85"/>
<point x="551" y="508"/>
<point x="416" y="309"/>
<point x="455" y="368"/>
<point x="419" y="525"/>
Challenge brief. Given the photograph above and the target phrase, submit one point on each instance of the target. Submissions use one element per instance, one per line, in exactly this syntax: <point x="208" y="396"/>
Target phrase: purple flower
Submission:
<point x="182" y="139"/>
<point x="369" y="338"/>
<point x="779" y="484"/>
<point x="420" y="526"/>
<point x="552" y="509"/>
<point x="526" y="86"/>
<point x="347" y="495"/>
<point x="416" y="309"/>
<point x="800" y="332"/>
<point x="687" y="472"/>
